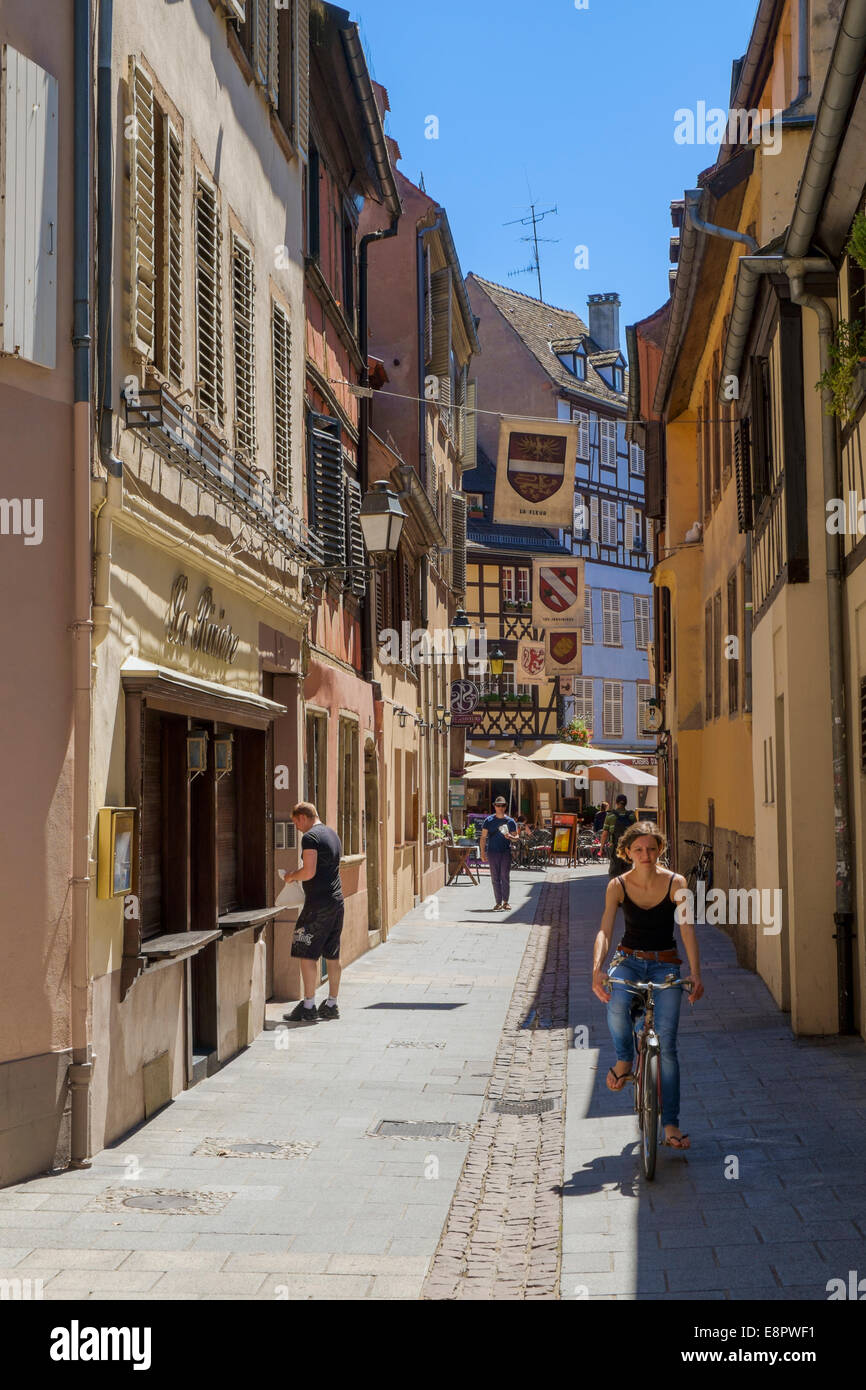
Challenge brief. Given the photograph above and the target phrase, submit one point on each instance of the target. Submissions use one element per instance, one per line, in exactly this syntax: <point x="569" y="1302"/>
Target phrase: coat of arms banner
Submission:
<point x="564" y="653"/>
<point x="535" y="473"/>
<point x="529" y="669"/>
<point x="558" y="593"/>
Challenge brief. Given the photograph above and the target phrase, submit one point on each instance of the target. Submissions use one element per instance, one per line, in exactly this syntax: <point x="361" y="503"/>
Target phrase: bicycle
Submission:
<point x="647" y="1076"/>
<point x="702" y="871"/>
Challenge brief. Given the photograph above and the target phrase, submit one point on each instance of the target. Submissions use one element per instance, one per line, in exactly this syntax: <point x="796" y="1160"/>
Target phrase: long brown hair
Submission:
<point x="634" y="832"/>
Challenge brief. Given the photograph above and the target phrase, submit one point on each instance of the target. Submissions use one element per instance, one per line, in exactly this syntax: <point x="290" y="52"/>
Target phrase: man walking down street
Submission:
<point x="497" y="833"/>
<point x="318" y="928"/>
<point x="616" y="823"/>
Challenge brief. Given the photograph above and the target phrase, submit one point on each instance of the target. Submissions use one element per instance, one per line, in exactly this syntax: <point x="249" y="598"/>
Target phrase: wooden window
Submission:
<point x="156" y="210"/>
<point x="171" y="298"/>
<point x="707" y="451"/>
<point x="348" y="248"/>
<point x="633" y="529"/>
<point x="637" y="464"/>
<point x="612" y="709"/>
<point x="761" y="430"/>
<point x="666" y="632"/>
<point x="522" y="584"/>
<point x="644" y="693"/>
<point x="727" y="441"/>
<point x="288" y="56"/>
<point x="356" y="556"/>
<point x="608" y="522"/>
<point x="733" y="662"/>
<point x="315" y="766"/>
<point x="642" y="627"/>
<point x="708" y="661"/>
<point x="281" y="337"/>
<point x="608" y="444"/>
<point x="348" y="772"/>
<point x="314" y="226"/>
<point x="458" y="543"/>
<point x="700" y="462"/>
<point x="260" y="39"/>
<point x="717" y="654"/>
<point x="143" y="212"/>
<point x="583" y="699"/>
<point x="208" y="303"/>
<point x="508" y="594"/>
<point x="863" y="726"/>
<point x="244" y="325"/>
<point x="326" y="486"/>
<point x="587" y="616"/>
<point x="582" y="418"/>
<point x="611" y="620"/>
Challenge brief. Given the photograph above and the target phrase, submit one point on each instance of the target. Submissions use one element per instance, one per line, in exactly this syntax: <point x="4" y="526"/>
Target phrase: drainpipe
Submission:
<point x="693" y="198"/>
<point x="364" y="426"/>
<point x="804" y="54"/>
<point x="843" y="915"/>
<point x="82" y="1064"/>
<point x="422" y="354"/>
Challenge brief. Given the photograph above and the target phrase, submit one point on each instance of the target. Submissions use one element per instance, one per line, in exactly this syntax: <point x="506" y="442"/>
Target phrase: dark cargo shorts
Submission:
<point x="318" y="930"/>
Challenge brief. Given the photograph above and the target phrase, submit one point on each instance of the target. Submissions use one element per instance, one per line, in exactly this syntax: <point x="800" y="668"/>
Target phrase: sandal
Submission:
<point x="619" y="1080"/>
<point x="676" y="1142"/>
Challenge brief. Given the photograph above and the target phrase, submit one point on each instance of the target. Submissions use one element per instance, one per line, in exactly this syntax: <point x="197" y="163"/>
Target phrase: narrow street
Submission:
<point x="448" y="1020"/>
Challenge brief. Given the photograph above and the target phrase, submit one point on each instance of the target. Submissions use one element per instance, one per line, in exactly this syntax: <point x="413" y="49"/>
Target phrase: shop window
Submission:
<point x="315" y="769"/>
<point x="348" y="772"/>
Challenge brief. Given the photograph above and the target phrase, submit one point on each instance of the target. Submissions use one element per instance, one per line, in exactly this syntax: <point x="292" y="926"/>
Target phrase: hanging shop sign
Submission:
<point x="464" y="704"/>
<point x="558" y="593"/>
<point x="535" y="473"/>
<point x="199" y="630"/>
<point x="530" y="663"/>
<point x="564" y="653"/>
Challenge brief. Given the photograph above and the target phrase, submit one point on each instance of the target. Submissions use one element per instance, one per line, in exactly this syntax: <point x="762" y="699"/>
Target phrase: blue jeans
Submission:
<point x="500" y="875"/>
<point x="667" y="1016"/>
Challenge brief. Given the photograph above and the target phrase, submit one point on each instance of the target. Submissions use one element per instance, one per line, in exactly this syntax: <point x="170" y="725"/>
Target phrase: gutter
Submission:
<point x="693" y="198"/>
<point x="688" y="265"/>
<point x="375" y="129"/>
<point x="422" y="346"/>
<point x="81" y="1068"/>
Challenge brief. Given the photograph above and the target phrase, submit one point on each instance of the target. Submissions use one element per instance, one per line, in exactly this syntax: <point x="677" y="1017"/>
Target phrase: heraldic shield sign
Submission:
<point x="530" y="664"/>
<point x="535" y="473"/>
<point x="558" y="593"/>
<point x="564" y="653"/>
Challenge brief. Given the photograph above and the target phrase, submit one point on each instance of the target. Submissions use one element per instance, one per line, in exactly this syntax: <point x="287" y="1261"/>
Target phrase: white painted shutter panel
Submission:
<point x="612" y="634"/>
<point x="28" y="210"/>
<point x="174" y="238"/>
<point x="243" y="305"/>
<point x="458" y="543"/>
<point x="587" y="615"/>
<point x="582" y="434"/>
<point x="208" y="303"/>
<point x="302" y="76"/>
<point x="593" y="519"/>
<point x="143" y="212"/>
<point x="629" y="528"/>
<point x="282" y="371"/>
<point x="260" y="20"/>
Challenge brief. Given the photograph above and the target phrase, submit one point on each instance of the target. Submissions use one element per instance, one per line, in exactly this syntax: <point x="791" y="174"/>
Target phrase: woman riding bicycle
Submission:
<point x="647" y="952"/>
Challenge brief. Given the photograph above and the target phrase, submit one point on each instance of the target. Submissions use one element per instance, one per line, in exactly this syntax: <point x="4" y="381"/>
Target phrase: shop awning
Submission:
<point x="175" y="690"/>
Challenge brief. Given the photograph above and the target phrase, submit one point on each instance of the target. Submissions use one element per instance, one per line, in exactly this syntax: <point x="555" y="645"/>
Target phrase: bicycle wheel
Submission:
<point x="650" y="1115"/>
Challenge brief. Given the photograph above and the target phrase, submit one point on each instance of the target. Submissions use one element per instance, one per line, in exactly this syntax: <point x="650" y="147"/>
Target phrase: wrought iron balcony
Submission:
<point x="173" y="433"/>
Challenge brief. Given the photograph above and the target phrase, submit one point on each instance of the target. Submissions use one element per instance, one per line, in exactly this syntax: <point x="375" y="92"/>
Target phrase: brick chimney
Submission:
<point x="604" y="320"/>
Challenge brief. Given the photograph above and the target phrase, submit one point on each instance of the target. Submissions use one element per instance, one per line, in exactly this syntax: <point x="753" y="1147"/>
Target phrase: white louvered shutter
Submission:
<point x="582" y="418"/>
<point x="608" y="522"/>
<point x="302" y="76"/>
<point x="629" y="528"/>
<point x="355" y="553"/>
<point x="281" y="336"/>
<point x="173" y="289"/>
<point x="641" y="621"/>
<point x="326" y="490"/>
<point x="612" y="712"/>
<point x="608" y="443"/>
<point x="208" y="303"/>
<point x="142" y="188"/>
<point x="612" y="625"/>
<point x="593" y="519"/>
<point x="458" y="543"/>
<point x="587" y="615"/>
<point x="244" y="340"/>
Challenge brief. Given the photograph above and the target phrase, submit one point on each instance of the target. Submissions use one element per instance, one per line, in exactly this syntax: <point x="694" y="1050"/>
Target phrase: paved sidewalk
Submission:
<point x="770" y="1201"/>
<point x="350" y="1215"/>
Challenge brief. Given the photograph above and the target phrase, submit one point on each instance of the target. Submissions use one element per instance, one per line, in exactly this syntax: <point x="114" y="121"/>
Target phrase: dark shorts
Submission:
<point x="318" y="930"/>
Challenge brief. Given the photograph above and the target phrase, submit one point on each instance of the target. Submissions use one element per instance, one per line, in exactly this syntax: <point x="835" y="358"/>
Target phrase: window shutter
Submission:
<point x="143" y="213"/>
<point x="587" y="614"/>
<point x="208" y="303"/>
<point x="470" y="426"/>
<point x="381" y="623"/>
<point x="302" y="76"/>
<point x="259" y="18"/>
<point x="655" y="482"/>
<point x="273" y="78"/>
<point x="760" y="431"/>
<point x="282" y="374"/>
<point x="743" y="470"/>
<point x="428" y="305"/>
<point x="458" y="543"/>
<point x="440" y="356"/>
<point x="593" y="519"/>
<point x="327" y="496"/>
<point x="612" y="627"/>
<point x="357" y="581"/>
<point x="405" y="591"/>
<point x="583" y="434"/>
<point x="629" y="528"/>
<point x="243" y="297"/>
<point x="173" y="253"/>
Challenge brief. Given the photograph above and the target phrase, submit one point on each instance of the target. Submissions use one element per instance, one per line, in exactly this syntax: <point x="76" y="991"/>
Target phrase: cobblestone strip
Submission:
<point x="502" y="1235"/>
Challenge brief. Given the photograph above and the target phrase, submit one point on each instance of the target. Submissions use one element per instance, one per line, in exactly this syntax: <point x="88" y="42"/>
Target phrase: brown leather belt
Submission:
<point x="666" y="956"/>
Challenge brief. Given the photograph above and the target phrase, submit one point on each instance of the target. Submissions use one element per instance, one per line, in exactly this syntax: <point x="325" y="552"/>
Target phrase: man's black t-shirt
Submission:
<point x="325" y="884"/>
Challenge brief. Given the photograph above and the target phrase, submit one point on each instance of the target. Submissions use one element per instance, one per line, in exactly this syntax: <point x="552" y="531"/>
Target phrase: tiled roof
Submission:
<point x="489" y="535"/>
<point x="540" y="325"/>
<point x="605" y="359"/>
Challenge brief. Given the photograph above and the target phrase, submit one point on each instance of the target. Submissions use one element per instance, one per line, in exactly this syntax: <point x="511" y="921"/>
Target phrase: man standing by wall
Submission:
<point x="320" y="923"/>
<point x="616" y="823"/>
<point x="497" y="833"/>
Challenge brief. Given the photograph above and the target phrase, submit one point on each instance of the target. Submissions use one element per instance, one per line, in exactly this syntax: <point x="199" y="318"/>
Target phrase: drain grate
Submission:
<point x="160" y="1199"/>
<point x="420" y="1129"/>
<point x="522" y="1107"/>
<point x="398" y="1042"/>
<point x="256" y="1148"/>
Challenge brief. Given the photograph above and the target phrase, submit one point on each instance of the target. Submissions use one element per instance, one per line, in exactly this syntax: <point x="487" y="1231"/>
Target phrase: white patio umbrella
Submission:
<point x="515" y="767"/>
<point x="574" y="753"/>
<point x="614" y="772"/>
<point x="472" y="758"/>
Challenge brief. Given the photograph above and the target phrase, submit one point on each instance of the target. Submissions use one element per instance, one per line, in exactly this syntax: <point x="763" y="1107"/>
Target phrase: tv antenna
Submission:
<point x="533" y="220"/>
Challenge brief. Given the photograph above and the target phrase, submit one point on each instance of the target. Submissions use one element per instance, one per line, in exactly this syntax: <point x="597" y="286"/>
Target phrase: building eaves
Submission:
<point x="438" y="213"/>
<point x="491" y="536"/>
<point x="367" y="100"/>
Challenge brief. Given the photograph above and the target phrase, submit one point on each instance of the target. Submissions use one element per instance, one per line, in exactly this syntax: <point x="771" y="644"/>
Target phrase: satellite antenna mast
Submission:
<point x="533" y="220"/>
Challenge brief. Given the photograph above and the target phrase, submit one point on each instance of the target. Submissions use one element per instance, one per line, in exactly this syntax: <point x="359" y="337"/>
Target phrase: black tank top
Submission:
<point x="649" y="928"/>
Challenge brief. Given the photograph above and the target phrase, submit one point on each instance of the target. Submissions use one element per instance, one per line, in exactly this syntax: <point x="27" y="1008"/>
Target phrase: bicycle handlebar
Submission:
<point x="639" y="987"/>
<point x="699" y="844"/>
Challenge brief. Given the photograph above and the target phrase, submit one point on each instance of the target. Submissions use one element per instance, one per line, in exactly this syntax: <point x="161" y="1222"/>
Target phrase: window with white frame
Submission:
<point x="581" y="418"/>
<point x="612" y="709"/>
<point x="587" y="616"/>
<point x="583" y="706"/>
<point x="642" y="621"/>
<point x="522" y="584"/>
<point x="611" y="618"/>
<point x="608" y="443"/>
<point x="644" y="693"/>
<point x="633" y="529"/>
<point x="515" y="584"/>
<point x="608" y="522"/>
<point x="636" y="460"/>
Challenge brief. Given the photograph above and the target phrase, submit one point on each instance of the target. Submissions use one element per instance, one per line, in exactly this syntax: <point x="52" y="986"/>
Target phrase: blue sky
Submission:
<point x="576" y="105"/>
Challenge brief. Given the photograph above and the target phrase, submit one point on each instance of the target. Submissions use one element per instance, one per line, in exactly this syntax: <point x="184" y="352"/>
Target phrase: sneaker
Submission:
<point x="302" y="1015"/>
<point x="328" y="1011"/>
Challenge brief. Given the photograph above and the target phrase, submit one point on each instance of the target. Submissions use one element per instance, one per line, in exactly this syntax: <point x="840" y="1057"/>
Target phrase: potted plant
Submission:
<point x="845" y="379"/>
<point x="435" y="832"/>
<point x="469" y="836"/>
<point x="576" y="732"/>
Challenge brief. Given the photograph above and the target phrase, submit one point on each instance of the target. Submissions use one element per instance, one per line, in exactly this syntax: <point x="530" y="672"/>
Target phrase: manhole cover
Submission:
<point x="420" y="1129"/>
<point x="160" y="1201"/>
<point x="256" y="1148"/>
<point x="253" y="1149"/>
<point x="522" y="1107"/>
<point x="400" y="1043"/>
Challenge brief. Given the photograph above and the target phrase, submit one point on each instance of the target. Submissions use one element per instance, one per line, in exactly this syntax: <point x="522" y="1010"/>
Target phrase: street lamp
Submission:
<point x="460" y="629"/>
<point x="381" y="518"/>
<point x="497" y="661"/>
<point x="401" y="714"/>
